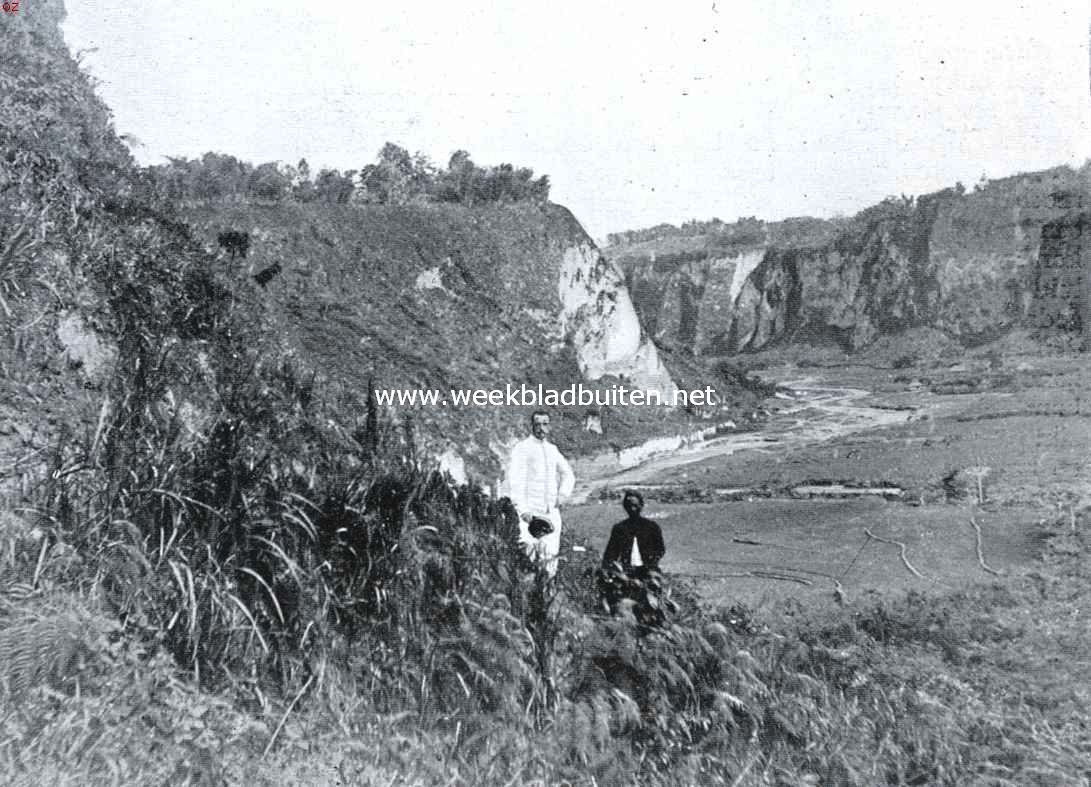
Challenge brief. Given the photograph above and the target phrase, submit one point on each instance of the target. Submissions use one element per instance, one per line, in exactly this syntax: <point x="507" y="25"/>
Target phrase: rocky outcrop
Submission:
<point x="598" y="318"/>
<point x="876" y="278"/>
<point x="962" y="262"/>
<point x="686" y="301"/>
<point x="1062" y="277"/>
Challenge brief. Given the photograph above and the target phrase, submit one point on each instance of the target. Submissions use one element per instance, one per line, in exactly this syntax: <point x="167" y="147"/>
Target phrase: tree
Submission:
<point x="467" y="183"/>
<point x="333" y="187"/>
<point x="268" y="182"/>
<point x="304" y="189"/>
<point x="397" y="177"/>
<point x="457" y="183"/>
<point x="217" y="176"/>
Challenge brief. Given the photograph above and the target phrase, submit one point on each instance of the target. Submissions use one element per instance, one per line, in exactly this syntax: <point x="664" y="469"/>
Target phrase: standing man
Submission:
<point x="539" y="480"/>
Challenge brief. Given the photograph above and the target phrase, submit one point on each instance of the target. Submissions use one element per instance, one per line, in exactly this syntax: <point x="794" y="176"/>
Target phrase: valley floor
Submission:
<point x="744" y="508"/>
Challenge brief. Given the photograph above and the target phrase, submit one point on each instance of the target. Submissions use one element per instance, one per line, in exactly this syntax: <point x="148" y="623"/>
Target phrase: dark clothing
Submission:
<point x="649" y="540"/>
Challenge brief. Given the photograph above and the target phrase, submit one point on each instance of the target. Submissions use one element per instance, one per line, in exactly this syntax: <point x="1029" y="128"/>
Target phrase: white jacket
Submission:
<point x="538" y="477"/>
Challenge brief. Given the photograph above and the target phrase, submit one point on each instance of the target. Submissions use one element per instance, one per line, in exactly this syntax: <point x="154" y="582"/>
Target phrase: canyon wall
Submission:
<point x="964" y="262"/>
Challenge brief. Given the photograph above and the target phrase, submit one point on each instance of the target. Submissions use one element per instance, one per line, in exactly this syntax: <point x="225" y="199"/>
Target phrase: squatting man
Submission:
<point x="636" y="542"/>
<point x="540" y="480"/>
<point x="630" y="565"/>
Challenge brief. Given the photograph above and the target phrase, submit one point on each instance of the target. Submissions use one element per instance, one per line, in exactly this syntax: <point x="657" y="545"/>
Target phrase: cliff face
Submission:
<point x="874" y="278"/>
<point x="961" y="262"/>
<point x="598" y="317"/>
<point x="1062" y="278"/>
<point x="686" y="299"/>
<point x="441" y="297"/>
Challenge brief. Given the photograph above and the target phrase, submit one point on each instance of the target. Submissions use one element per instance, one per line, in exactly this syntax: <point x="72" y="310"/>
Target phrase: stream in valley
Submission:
<point x="806" y="412"/>
<point x="813" y="495"/>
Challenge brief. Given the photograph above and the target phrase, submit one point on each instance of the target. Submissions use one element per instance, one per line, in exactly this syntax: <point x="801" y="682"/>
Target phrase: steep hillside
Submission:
<point x="443" y="297"/>
<point x="962" y="262"/>
<point x="59" y="159"/>
<point x="93" y="281"/>
<point x="685" y="286"/>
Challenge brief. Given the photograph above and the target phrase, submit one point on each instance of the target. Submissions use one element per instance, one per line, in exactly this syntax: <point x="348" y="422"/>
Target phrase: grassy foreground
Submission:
<point x="285" y="599"/>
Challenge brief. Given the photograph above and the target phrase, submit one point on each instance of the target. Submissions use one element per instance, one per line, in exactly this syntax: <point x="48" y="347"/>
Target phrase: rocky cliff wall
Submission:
<point x="686" y="302"/>
<point x="963" y="262"/>
<point x="597" y="316"/>
<point x="1062" y="278"/>
<point x="874" y="278"/>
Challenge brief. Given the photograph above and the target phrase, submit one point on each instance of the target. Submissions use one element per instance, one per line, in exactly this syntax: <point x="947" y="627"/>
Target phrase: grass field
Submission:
<point x="1028" y="432"/>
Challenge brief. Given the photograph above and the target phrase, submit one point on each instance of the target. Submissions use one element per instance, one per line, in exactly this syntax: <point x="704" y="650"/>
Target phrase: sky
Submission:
<point x="640" y="113"/>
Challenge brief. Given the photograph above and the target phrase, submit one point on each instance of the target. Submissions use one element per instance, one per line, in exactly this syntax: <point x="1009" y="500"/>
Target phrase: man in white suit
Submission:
<point x="539" y="481"/>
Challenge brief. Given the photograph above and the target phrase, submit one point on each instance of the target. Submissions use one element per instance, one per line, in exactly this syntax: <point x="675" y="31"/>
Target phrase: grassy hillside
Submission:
<point x="347" y="301"/>
<point x="59" y="163"/>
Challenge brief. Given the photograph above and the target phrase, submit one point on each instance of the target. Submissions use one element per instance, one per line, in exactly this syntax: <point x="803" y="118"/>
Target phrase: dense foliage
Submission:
<point x="749" y="227"/>
<point x="395" y="178"/>
<point x="709" y="238"/>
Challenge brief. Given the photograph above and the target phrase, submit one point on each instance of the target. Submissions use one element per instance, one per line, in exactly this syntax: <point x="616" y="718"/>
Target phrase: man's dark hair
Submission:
<point x="632" y="493"/>
<point x="536" y="413"/>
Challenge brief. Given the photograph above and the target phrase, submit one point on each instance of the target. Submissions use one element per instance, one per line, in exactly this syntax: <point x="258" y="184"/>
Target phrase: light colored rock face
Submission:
<point x="720" y="292"/>
<point x="847" y="292"/>
<point x="743" y="265"/>
<point x="430" y="279"/>
<point x="597" y="318"/>
<point x="597" y="315"/>
<point x="689" y="304"/>
<point x="85" y="348"/>
<point x="451" y="463"/>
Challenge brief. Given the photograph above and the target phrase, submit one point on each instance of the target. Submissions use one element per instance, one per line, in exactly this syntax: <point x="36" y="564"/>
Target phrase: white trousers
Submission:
<point x="543" y="550"/>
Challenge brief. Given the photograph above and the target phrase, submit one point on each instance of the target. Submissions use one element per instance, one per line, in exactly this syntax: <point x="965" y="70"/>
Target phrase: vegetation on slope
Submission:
<point x="435" y="296"/>
<point x="984" y="208"/>
<point x="333" y="611"/>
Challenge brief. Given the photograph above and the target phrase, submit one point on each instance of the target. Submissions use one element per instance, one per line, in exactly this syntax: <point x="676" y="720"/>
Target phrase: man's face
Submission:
<point x="539" y="426"/>
<point x="632" y="505"/>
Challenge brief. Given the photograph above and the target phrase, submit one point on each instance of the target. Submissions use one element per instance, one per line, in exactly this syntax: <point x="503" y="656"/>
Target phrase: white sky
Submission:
<point x="639" y="112"/>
